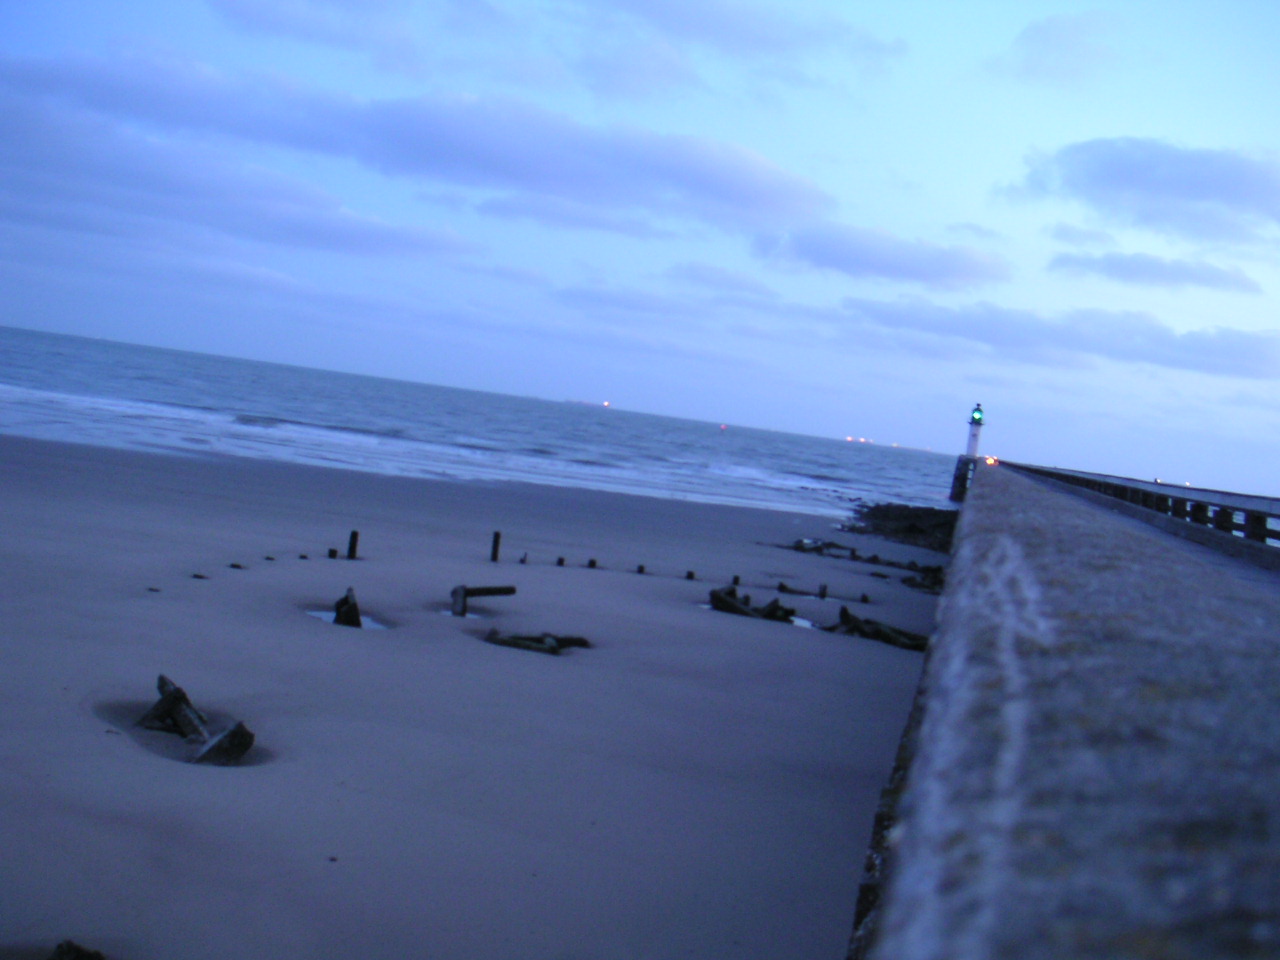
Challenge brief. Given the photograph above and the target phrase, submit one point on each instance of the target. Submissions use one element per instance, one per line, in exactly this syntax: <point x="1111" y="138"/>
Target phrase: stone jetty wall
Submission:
<point x="1098" y="767"/>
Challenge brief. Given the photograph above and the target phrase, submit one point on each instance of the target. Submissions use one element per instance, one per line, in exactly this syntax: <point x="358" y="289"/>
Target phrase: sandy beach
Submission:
<point x="694" y="785"/>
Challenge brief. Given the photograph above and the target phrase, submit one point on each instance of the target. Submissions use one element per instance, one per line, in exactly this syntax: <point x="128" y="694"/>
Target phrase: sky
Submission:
<point x="829" y="217"/>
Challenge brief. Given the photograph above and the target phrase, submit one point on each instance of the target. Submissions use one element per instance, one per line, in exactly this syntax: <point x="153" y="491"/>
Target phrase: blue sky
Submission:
<point x="834" y="218"/>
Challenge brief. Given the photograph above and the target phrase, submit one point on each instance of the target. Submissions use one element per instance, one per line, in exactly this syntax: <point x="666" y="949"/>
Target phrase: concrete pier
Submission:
<point x="1098" y="768"/>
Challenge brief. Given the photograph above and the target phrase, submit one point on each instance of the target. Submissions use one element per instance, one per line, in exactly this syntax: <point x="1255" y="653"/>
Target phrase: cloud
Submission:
<point x="80" y="173"/>
<point x="1195" y="193"/>
<point x="719" y="280"/>
<point x="555" y="212"/>
<point x="1079" y="236"/>
<point x="1057" y="50"/>
<point x="479" y="142"/>
<point x="870" y="254"/>
<point x="740" y="28"/>
<point x="1126" y="337"/>
<point x="380" y="27"/>
<point x="1146" y="270"/>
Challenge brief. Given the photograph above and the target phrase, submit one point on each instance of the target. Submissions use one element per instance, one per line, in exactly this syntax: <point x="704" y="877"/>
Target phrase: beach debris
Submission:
<point x="727" y="600"/>
<point x="591" y="564"/>
<point x="333" y="553"/>
<point x="227" y="747"/>
<point x="524" y="558"/>
<point x="929" y="579"/>
<point x="559" y="561"/>
<point x="175" y="713"/>
<point x="198" y="576"/>
<point x="497" y="544"/>
<point x="70" y="950"/>
<point x="461" y="594"/>
<point x="640" y="568"/>
<point x="689" y="575"/>
<point x="346" y="612"/>
<point x="353" y="542"/>
<point x="852" y="625"/>
<point x="823" y="548"/>
<point x="551" y="643"/>
<point x="236" y="566"/>
<point x="821" y="593"/>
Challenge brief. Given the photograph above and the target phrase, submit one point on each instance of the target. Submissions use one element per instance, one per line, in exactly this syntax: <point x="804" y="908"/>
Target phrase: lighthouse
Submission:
<point x="966" y="464"/>
<point x="975" y="427"/>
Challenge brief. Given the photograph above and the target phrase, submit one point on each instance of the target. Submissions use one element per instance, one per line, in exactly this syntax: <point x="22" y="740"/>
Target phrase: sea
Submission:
<point x="105" y="393"/>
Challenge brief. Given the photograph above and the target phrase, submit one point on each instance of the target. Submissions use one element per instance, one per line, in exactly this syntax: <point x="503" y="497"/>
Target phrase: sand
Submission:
<point x="694" y="785"/>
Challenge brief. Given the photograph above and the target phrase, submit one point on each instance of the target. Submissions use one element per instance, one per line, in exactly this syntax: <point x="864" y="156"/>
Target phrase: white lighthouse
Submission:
<point x="968" y="463"/>
<point x="975" y="426"/>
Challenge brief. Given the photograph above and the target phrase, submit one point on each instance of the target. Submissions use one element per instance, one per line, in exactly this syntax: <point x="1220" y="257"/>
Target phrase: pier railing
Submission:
<point x="1243" y="515"/>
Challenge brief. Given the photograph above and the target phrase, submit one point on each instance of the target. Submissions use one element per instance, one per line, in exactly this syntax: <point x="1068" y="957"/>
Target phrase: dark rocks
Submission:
<point x="928" y="527"/>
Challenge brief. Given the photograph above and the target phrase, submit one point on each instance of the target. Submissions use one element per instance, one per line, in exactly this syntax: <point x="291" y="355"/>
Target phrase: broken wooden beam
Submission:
<point x="174" y="713"/>
<point x="853" y="625"/>
<point x="462" y="593"/>
<point x="726" y="600"/>
<point x="346" y="612"/>
<point x="226" y="748"/>
<point x="551" y="643"/>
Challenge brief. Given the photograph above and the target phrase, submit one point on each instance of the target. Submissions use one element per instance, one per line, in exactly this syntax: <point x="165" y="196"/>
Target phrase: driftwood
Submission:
<point x="227" y="748"/>
<point x="821" y="593"/>
<point x="726" y="600"/>
<point x="541" y="643"/>
<point x="346" y="612"/>
<point x="174" y="713"/>
<point x="856" y="626"/>
<point x="461" y="594"/>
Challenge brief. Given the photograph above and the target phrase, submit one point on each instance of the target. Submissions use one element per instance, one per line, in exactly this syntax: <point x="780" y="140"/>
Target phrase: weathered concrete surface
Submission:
<point x="1098" y="773"/>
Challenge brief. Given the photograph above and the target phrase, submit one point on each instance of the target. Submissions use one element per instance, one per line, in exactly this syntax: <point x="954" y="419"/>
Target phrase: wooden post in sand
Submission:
<point x="461" y="594"/>
<point x="352" y="543"/>
<point x="497" y="543"/>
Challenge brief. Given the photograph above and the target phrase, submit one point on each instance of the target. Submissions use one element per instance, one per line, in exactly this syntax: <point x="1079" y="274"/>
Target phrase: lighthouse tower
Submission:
<point x="975" y="426"/>
<point x="966" y="464"/>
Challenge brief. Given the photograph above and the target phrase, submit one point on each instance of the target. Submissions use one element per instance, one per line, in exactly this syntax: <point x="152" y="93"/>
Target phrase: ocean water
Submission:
<point x="111" y="394"/>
